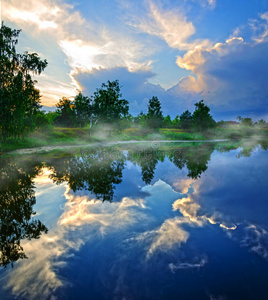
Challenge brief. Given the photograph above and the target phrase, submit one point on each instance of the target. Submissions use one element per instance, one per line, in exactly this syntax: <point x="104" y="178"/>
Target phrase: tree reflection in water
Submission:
<point x="195" y="159"/>
<point x="98" y="172"/>
<point x="147" y="160"/>
<point x="17" y="197"/>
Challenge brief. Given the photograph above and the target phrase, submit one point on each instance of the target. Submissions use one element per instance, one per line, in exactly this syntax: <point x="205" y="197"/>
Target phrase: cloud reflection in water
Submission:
<point x="156" y="229"/>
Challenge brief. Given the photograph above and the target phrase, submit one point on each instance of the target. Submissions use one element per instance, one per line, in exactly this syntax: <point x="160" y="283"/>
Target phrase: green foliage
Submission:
<point x="108" y="105"/>
<point x="17" y="198"/>
<point x="176" y="122"/>
<point x="140" y="119"/>
<point x="245" y="121"/>
<point x="51" y="116"/>
<point x="82" y="109"/>
<point x="95" y="171"/>
<point x="177" y="134"/>
<point x="19" y="99"/>
<point x="66" y="114"/>
<point x="202" y="120"/>
<point x="186" y="120"/>
<point x="126" y="122"/>
<point x="167" y="122"/>
<point x="194" y="158"/>
<point x="261" y="123"/>
<point x="73" y="113"/>
<point x="155" y="116"/>
<point x="41" y="119"/>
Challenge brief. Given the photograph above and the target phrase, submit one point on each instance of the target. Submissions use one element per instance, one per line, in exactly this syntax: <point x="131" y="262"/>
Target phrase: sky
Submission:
<point x="181" y="51"/>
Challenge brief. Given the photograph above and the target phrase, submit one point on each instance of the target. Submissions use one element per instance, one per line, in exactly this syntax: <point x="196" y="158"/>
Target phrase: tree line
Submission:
<point x="107" y="106"/>
<point x="21" y="111"/>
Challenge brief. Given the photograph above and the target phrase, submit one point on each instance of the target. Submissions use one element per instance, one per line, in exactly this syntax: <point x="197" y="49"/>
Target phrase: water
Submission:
<point x="165" y="221"/>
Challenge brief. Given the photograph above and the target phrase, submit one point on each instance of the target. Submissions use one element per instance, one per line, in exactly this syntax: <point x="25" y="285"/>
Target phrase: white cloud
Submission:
<point x="218" y="72"/>
<point x="33" y="12"/>
<point x="197" y="60"/>
<point x="39" y="267"/>
<point x="171" y="26"/>
<point x="169" y="234"/>
<point x="104" y="216"/>
<point x="38" y="276"/>
<point x="87" y="46"/>
<point x="194" y="265"/>
<point x="260" y="28"/>
<point x="256" y="239"/>
<point x="52" y="89"/>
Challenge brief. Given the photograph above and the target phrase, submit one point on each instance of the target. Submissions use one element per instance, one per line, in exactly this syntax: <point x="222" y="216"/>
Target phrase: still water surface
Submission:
<point x="135" y="222"/>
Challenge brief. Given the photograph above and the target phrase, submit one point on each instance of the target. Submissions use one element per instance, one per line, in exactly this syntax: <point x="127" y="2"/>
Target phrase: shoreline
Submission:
<point x="154" y="144"/>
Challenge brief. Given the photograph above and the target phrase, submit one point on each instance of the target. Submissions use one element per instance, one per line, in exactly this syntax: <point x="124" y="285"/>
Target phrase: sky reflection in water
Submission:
<point x="186" y="226"/>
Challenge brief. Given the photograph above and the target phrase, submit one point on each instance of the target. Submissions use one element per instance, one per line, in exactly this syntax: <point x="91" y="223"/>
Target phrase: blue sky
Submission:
<point x="181" y="51"/>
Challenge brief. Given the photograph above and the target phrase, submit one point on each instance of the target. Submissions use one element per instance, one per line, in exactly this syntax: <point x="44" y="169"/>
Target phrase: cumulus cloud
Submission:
<point x="38" y="276"/>
<point x="201" y="59"/>
<point x="136" y="87"/>
<point x="86" y="45"/>
<point x="229" y="75"/>
<point x="104" y="216"/>
<point x="192" y="210"/>
<point x="219" y="70"/>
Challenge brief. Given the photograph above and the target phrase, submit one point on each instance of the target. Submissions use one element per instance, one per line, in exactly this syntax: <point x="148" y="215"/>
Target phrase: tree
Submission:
<point x="168" y="121"/>
<point x="108" y="105"/>
<point x="195" y="159"/>
<point x="186" y="120"/>
<point x="176" y="122"/>
<point x="19" y="98"/>
<point x="239" y="118"/>
<point x="66" y="115"/>
<point x="51" y="116"/>
<point x="41" y="119"/>
<point x="17" y="199"/>
<point x="245" y="121"/>
<point x="82" y="109"/>
<point x="261" y="123"/>
<point x="155" y="116"/>
<point x="140" y="119"/>
<point x="94" y="171"/>
<point x="201" y="118"/>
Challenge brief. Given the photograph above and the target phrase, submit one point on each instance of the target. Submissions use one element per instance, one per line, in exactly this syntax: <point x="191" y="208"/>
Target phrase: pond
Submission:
<point x="137" y="221"/>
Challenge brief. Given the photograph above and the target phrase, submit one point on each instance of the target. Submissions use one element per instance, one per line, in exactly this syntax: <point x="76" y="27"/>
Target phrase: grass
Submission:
<point x="47" y="137"/>
<point x="178" y="134"/>
<point x="53" y="136"/>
